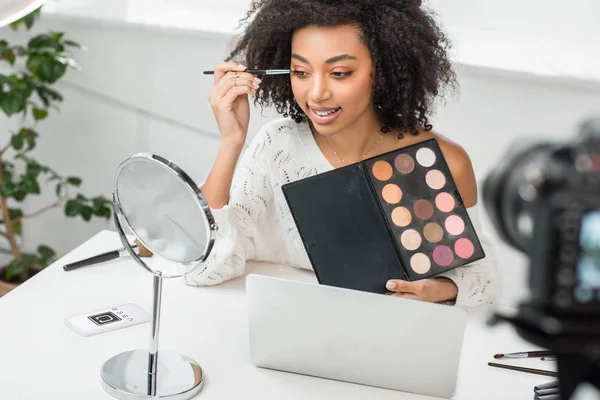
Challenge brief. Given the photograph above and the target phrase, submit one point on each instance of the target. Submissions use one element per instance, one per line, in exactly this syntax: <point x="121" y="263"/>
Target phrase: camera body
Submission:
<point x="544" y="200"/>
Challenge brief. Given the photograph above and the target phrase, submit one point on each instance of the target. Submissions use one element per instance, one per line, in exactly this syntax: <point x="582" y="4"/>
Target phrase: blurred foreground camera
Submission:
<point x="544" y="200"/>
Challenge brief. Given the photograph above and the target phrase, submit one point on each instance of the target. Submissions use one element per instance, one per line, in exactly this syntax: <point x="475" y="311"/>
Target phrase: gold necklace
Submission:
<point x="363" y="156"/>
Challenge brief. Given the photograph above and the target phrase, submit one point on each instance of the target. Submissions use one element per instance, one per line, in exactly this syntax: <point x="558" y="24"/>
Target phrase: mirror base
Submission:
<point x="125" y="376"/>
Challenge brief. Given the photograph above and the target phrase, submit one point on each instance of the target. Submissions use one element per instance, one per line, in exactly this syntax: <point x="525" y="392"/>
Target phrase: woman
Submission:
<point x="365" y="74"/>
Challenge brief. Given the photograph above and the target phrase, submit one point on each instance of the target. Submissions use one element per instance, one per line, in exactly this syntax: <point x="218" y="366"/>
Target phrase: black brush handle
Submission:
<point x="523" y="369"/>
<point x="553" y="384"/>
<point x="110" y="255"/>
<point x="545" y="392"/>
<point x="548" y="397"/>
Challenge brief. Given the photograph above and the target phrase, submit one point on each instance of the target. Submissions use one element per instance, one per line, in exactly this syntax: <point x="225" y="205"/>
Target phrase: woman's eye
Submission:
<point x="339" y="74"/>
<point x="300" y="74"/>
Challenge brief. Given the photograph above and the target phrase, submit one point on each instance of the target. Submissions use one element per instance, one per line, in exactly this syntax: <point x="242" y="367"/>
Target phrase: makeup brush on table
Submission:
<point x="107" y="256"/>
<point x="525" y="354"/>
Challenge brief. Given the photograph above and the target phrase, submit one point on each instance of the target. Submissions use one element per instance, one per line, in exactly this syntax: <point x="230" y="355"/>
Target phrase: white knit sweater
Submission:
<point x="256" y="224"/>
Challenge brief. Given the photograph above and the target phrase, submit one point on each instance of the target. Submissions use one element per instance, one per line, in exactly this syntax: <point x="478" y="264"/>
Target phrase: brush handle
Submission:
<point x="543" y="386"/>
<point x="545" y="392"/>
<point x="529" y="354"/>
<point x="109" y="255"/>
<point x="523" y="369"/>
<point x="555" y="396"/>
<point x="258" y="71"/>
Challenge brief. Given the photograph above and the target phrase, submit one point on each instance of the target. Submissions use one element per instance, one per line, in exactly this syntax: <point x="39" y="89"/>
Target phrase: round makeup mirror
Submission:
<point x="159" y="206"/>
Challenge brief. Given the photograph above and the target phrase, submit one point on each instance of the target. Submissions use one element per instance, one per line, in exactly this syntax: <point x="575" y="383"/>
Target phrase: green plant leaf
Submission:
<point x="12" y="269"/>
<point x="19" y="50"/>
<point x="71" y="43"/>
<point x="5" y="80"/>
<point x="12" y="102"/>
<point x="29" y="185"/>
<point x="7" y="188"/>
<point x="74" y="181"/>
<point x="46" y="67"/>
<point x="86" y="213"/>
<point x="98" y="202"/>
<point x="30" y="260"/>
<point x="15" y="25"/>
<point x="39" y="114"/>
<point x="104" y="212"/>
<point x="45" y="252"/>
<point x="19" y="195"/>
<point x="44" y="41"/>
<point x="29" y="19"/>
<point x="31" y="141"/>
<point x="48" y="95"/>
<point x="58" y="189"/>
<point x="8" y="55"/>
<point x="33" y="170"/>
<point x="18" y="228"/>
<point x="15" y="213"/>
<point x="72" y="208"/>
<point x="17" y="141"/>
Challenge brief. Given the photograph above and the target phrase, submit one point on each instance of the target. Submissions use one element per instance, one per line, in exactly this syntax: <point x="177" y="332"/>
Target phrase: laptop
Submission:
<point x="354" y="336"/>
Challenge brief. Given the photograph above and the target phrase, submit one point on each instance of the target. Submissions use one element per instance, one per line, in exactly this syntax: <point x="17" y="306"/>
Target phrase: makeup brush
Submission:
<point x="109" y="255"/>
<point x="258" y="71"/>
<point x="523" y="369"/>
<point x="525" y="354"/>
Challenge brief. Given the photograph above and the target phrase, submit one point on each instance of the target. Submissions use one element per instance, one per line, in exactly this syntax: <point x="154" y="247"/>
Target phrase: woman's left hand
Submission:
<point x="432" y="290"/>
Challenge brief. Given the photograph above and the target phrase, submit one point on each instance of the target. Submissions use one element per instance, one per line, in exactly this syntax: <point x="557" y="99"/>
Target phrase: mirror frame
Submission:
<point x="177" y="172"/>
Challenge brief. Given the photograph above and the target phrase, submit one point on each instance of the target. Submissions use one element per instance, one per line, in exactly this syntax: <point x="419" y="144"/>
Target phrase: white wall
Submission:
<point x="141" y="89"/>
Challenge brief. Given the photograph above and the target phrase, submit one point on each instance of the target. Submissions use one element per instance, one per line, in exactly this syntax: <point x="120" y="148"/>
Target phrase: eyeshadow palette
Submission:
<point x="397" y="215"/>
<point x="423" y="210"/>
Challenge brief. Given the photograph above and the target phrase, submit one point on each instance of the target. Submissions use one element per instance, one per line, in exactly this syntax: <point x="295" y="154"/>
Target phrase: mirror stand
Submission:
<point x="150" y="374"/>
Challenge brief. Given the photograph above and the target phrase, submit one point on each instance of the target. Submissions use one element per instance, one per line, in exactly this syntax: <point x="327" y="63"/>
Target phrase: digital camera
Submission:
<point x="544" y="200"/>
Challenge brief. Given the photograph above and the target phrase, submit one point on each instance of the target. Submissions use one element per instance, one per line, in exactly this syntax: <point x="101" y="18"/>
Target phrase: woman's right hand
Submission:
<point x="229" y="100"/>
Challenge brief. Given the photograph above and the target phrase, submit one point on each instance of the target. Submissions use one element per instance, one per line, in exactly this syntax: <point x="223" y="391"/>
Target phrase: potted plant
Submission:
<point x="27" y="91"/>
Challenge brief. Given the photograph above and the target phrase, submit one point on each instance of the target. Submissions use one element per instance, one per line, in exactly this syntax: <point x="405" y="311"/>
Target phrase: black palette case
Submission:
<point x="394" y="216"/>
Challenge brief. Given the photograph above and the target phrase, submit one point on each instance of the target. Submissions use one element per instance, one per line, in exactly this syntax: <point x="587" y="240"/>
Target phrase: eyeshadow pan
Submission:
<point x="423" y="209"/>
<point x="433" y="232"/>
<point x="454" y="225"/>
<point x="391" y="193"/>
<point x="382" y="170"/>
<point x="404" y="163"/>
<point x="464" y="248"/>
<point x="435" y="179"/>
<point x="442" y="255"/>
<point x="420" y="263"/>
<point x="401" y="216"/>
<point x="445" y="202"/>
<point x="410" y="239"/>
<point x="425" y="157"/>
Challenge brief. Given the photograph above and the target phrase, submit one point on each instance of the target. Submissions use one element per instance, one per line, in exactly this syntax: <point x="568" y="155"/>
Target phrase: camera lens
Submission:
<point x="511" y="190"/>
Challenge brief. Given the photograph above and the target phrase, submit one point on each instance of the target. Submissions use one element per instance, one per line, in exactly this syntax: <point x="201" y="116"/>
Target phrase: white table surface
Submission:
<point x="41" y="358"/>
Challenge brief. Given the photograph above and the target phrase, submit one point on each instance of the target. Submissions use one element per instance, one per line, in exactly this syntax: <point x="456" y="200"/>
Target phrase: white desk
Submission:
<point x="40" y="358"/>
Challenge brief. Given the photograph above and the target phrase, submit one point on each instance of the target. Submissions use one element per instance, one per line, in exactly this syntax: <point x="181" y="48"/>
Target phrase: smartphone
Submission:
<point x="108" y="319"/>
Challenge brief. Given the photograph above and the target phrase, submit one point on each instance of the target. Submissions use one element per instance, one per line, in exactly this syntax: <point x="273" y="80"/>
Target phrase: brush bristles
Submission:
<point x="142" y="250"/>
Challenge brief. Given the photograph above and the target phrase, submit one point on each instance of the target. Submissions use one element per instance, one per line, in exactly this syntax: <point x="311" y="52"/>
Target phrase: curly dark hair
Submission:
<point x="408" y="49"/>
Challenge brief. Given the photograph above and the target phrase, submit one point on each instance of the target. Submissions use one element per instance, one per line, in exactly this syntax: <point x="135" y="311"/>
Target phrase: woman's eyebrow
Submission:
<point x="331" y="60"/>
